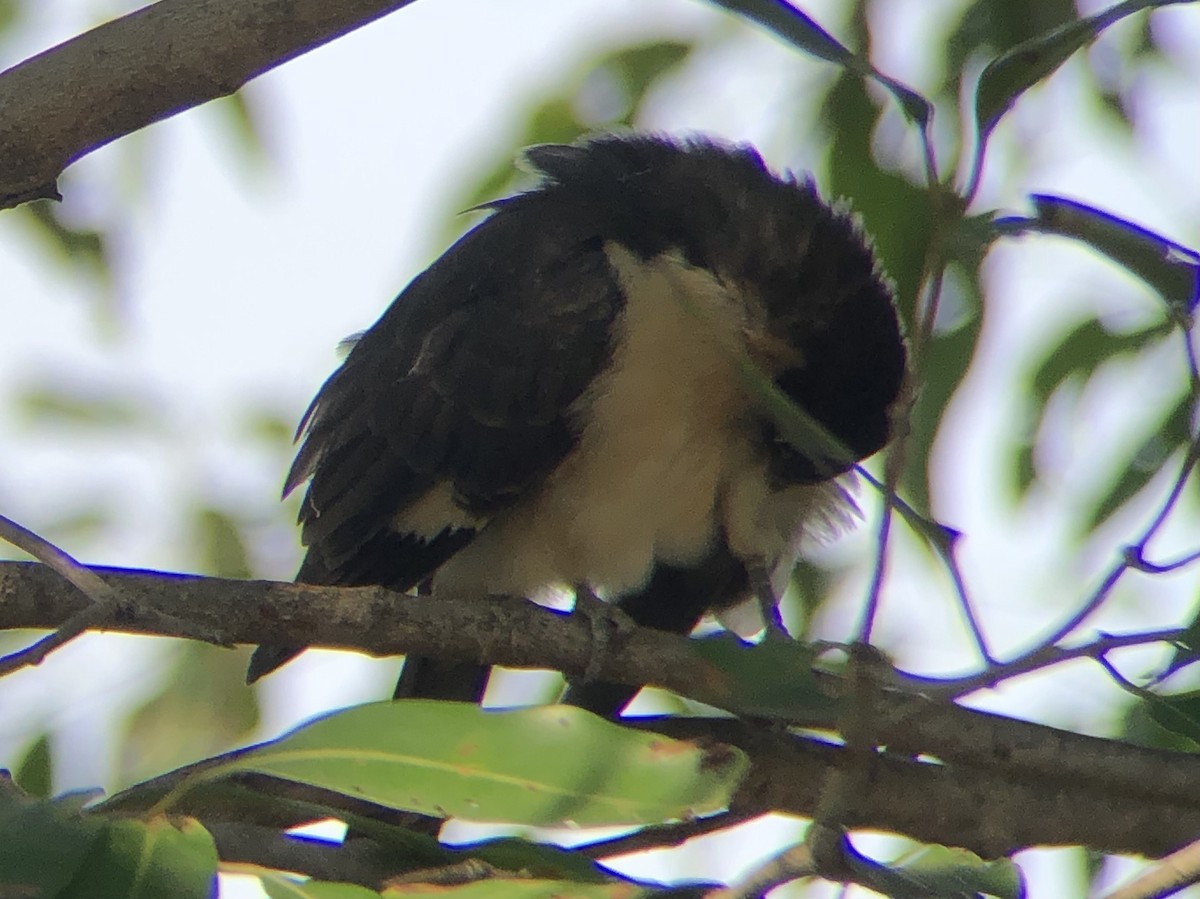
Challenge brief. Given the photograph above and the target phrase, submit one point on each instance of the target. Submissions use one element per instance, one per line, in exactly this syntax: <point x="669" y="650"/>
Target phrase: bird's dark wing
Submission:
<point x="465" y="387"/>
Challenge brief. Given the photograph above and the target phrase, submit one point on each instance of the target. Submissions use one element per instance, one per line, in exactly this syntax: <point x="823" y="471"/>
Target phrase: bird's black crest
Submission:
<point x="809" y="262"/>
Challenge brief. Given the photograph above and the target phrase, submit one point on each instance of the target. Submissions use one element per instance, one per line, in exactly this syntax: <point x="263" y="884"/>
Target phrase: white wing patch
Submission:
<point x="435" y="512"/>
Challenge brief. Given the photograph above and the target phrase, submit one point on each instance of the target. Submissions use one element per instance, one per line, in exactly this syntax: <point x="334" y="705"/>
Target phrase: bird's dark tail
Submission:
<point x="428" y="678"/>
<point x="268" y="657"/>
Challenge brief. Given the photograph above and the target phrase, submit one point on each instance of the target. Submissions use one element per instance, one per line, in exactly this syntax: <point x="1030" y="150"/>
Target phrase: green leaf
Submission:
<point x="10" y="14"/>
<point x="1077" y="355"/>
<point x="278" y="886"/>
<point x="1012" y="73"/>
<point x="1179" y="714"/>
<point x="771" y="679"/>
<point x="77" y="405"/>
<point x="640" y="67"/>
<point x="794" y="424"/>
<point x="202" y="707"/>
<point x="1139" y="726"/>
<point x="523" y="888"/>
<point x="221" y="547"/>
<point x="993" y="26"/>
<point x="934" y="871"/>
<point x="1168" y="436"/>
<point x="554" y="120"/>
<point x="455" y="759"/>
<point x="146" y="860"/>
<point x="541" y="860"/>
<point x="1169" y="268"/>
<point x="1088" y="346"/>
<point x="84" y="247"/>
<point x="947" y="358"/>
<point x="44" y="844"/>
<point x="800" y="30"/>
<point x="52" y="848"/>
<point x="244" y="122"/>
<point x="35" y="772"/>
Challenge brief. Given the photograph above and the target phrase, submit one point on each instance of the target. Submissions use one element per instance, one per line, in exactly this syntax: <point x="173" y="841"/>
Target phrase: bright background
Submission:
<point x="145" y="392"/>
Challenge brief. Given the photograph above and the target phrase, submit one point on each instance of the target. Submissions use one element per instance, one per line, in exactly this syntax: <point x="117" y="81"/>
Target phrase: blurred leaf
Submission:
<point x="1024" y="466"/>
<point x="267" y="798"/>
<point x="525" y="888"/>
<point x="552" y="122"/>
<point x="456" y="759"/>
<point x="84" y="247"/>
<point x="153" y="858"/>
<point x="52" y="848"/>
<point x="997" y="25"/>
<point x="34" y="773"/>
<point x="553" y="119"/>
<point x="948" y="355"/>
<point x="202" y="708"/>
<point x="794" y="423"/>
<point x="82" y="405"/>
<point x="800" y="30"/>
<point x="10" y="14"/>
<point x="1012" y="73"/>
<point x="78" y="525"/>
<point x="934" y="871"/>
<point x="221" y="548"/>
<point x="1079" y="354"/>
<point x="896" y="213"/>
<point x="1140" y="727"/>
<point x="1171" y="269"/>
<point x="279" y="886"/>
<point x="1083" y="350"/>
<point x="771" y="679"/>
<point x="797" y="28"/>
<point x="240" y="114"/>
<point x="642" y="66"/>
<point x="813" y="589"/>
<point x="45" y="843"/>
<point x="541" y="860"/>
<point x="1171" y="433"/>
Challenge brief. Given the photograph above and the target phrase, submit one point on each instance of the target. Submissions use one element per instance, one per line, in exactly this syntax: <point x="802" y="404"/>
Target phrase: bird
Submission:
<point x="559" y="401"/>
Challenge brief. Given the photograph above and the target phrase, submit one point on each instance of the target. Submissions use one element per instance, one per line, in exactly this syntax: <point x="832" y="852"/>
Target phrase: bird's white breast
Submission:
<point x="666" y="457"/>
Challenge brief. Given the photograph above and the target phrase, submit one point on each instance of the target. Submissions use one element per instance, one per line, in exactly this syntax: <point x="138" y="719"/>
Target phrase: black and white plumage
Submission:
<point x="555" y="400"/>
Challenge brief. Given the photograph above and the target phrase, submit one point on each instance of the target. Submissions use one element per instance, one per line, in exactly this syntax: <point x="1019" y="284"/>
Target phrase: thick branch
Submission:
<point x="1100" y="793"/>
<point x="153" y="63"/>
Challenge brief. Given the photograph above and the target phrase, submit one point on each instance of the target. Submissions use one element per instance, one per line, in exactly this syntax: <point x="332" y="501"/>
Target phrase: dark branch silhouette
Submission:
<point x="144" y="67"/>
<point x="998" y="784"/>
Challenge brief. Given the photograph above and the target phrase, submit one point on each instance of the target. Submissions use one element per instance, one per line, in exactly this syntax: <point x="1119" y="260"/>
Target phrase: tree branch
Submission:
<point x="151" y="64"/>
<point x="1001" y="784"/>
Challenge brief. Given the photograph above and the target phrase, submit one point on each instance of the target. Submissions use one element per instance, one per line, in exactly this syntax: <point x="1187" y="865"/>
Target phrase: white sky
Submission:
<point x="238" y="281"/>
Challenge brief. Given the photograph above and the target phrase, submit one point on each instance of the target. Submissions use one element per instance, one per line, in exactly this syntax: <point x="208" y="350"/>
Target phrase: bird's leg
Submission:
<point x="606" y="621"/>
<point x="768" y="602"/>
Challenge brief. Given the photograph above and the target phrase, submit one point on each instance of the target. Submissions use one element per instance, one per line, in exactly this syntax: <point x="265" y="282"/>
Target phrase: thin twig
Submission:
<point x="1045" y="652"/>
<point x="1136" y="561"/>
<point x="793" y="863"/>
<point x="1165" y="877"/>
<point x="1048" y="656"/>
<point x="663" y="836"/>
<point x="105" y="600"/>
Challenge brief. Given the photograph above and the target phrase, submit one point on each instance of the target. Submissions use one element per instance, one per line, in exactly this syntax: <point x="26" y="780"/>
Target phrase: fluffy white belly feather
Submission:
<point x="665" y="459"/>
